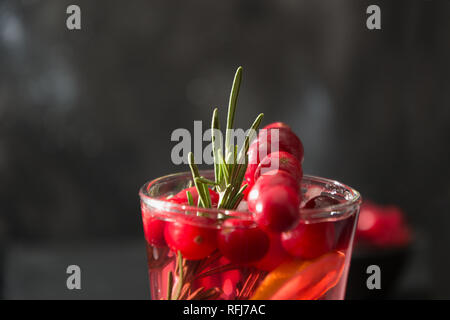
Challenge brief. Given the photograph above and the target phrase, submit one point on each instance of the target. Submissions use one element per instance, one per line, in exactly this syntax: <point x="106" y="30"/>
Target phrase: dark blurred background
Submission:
<point x="86" y="118"/>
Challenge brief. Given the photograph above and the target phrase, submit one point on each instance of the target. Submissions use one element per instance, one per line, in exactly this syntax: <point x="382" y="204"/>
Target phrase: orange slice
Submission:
<point x="277" y="278"/>
<point x="302" y="280"/>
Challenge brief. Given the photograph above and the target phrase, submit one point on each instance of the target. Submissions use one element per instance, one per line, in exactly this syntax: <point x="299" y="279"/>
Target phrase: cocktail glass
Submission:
<point x="172" y="276"/>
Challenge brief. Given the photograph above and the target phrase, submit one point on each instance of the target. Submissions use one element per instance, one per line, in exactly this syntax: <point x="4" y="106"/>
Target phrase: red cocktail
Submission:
<point x="252" y="228"/>
<point x="209" y="253"/>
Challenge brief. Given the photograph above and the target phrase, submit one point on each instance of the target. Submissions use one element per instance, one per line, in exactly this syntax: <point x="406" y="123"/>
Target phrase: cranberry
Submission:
<point x="271" y="179"/>
<point x="277" y="125"/>
<point x="369" y="225"/>
<point x="241" y="241"/>
<point x="274" y="256"/>
<point x="153" y="230"/>
<point x="194" y="242"/>
<point x="309" y="241"/>
<point x="277" y="208"/>
<point x="287" y="141"/>
<point x="383" y="225"/>
<point x="253" y="161"/>
<point x="181" y="197"/>
<point x="261" y="147"/>
<point x="320" y="202"/>
<point x="280" y="160"/>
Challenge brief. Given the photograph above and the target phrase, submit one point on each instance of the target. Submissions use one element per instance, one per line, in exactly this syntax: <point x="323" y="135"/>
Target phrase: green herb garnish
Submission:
<point x="230" y="165"/>
<point x="229" y="170"/>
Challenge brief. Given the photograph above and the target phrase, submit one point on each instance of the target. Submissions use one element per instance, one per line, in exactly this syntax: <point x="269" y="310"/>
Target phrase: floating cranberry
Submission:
<point x="271" y="179"/>
<point x="181" y="197"/>
<point x="274" y="256"/>
<point x="309" y="241"/>
<point x="153" y="230"/>
<point x="280" y="160"/>
<point x="193" y="241"/>
<point x="277" y="208"/>
<point x="241" y="241"/>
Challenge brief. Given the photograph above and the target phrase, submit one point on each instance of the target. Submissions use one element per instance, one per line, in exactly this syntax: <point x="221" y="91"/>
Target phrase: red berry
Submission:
<point x="241" y="241"/>
<point x="153" y="229"/>
<point x="274" y="256"/>
<point x="280" y="160"/>
<point x="309" y="241"/>
<point x="181" y="197"/>
<point x="368" y="222"/>
<point x="270" y="179"/>
<point x="253" y="161"/>
<point x="262" y="146"/>
<point x="277" y="125"/>
<point x="287" y="141"/>
<point x="194" y="242"/>
<point x="320" y="202"/>
<point x="382" y="225"/>
<point x="277" y="208"/>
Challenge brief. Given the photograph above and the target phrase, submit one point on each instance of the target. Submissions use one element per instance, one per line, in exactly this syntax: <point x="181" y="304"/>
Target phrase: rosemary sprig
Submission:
<point x="190" y="198"/>
<point x="202" y="188"/>
<point x="215" y="127"/>
<point x="229" y="168"/>
<point x="206" y="181"/>
<point x="229" y="171"/>
<point x="180" y="270"/>
<point x="169" y="285"/>
<point x="232" y="109"/>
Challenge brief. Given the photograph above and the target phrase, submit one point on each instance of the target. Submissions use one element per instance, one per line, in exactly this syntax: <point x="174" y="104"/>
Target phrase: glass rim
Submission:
<point x="332" y="212"/>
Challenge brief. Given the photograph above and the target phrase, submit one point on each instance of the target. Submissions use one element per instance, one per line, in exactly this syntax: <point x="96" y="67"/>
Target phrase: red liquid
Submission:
<point x="214" y="277"/>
